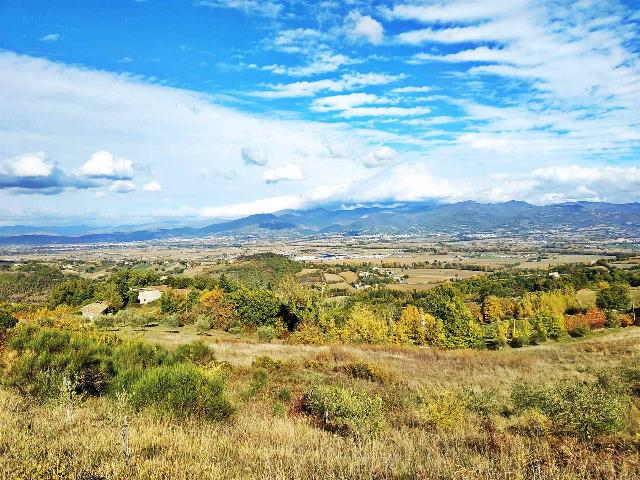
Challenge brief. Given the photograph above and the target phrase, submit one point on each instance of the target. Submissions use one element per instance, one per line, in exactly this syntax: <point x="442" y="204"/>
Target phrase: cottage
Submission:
<point x="92" y="310"/>
<point x="148" y="295"/>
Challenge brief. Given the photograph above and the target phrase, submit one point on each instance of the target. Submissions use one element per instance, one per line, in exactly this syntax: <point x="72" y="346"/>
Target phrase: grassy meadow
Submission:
<point x="446" y="414"/>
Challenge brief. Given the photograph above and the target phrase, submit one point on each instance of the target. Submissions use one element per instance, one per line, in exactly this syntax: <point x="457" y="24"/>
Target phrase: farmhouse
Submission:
<point x="148" y="295"/>
<point x="92" y="310"/>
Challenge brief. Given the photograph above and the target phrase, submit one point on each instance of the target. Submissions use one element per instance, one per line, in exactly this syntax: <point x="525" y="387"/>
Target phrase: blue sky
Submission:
<point x="127" y="111"/>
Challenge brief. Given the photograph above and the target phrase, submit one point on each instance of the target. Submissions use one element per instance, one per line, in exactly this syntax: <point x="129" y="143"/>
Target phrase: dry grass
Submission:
<point x="36" y="442"/>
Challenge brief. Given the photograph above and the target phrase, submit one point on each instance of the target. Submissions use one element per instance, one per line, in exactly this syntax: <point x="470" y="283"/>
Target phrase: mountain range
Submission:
<point x="464" y="218"/>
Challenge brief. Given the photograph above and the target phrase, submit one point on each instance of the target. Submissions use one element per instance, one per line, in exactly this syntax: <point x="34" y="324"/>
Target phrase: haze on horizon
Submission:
<point x="138" y="111"/>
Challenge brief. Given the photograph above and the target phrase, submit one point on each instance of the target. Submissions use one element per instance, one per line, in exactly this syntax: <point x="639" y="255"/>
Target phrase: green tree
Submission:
<point x="614" y="297"/>
<point x="109" y="293"/>
<point x="255" y="306"/>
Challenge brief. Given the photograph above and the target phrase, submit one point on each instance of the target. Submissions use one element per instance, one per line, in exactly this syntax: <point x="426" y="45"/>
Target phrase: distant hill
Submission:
<point x="464" y="218"/>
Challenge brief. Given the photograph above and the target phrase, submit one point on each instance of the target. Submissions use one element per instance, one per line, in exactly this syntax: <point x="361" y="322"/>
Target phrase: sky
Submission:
<point x="150" y="111"/>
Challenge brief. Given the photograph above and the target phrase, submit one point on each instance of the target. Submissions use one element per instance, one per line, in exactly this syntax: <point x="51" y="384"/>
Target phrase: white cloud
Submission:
<point x="152" y="186"/>
<point x="298" y="40"/>
<point x="122" y="186"/>
<point x="31" y="165"/>
<point x="411" y="89"/>
<point x="50" y="38"/>
<point x="343" y="102"/>
<point x="288" y="171"/>
<point x="265" y="8"/>
<point x="353" y="105"/>
<point x="380" y="157"/>
<point x="363" y="27"/>
<point x="344" y="83"/>
<point x="323" y="62"/>
<point x="384" y="112"/>
<point x="453" y="11"/>
<point x="254" y="155"/>
<point x="103" y="164"/>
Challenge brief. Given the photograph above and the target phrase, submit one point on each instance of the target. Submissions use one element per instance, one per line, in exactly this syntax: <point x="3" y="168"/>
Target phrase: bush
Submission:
<point x="173" y="321"/>
<point x="105" y="321"/>
<point x="266" y="362"/>
<point x="181" y="390"/>
<point x="612" y="319"/>
<point x="443" y="410"/>
<point x="131" y="359"/>
<point x="345" y="411"/>
<point x="44" y="356"/>
<point x="7" y="320"/>
<point x="584" y="409"/>
<point x="580" y="330"/>
<point x="203" y="324"/>
<point x="532" y="423"/>
<point x="368" y="371"/>
<point x="196" y="352"/>
<point x="266" y="333"/>
<point x="259" y="379"/>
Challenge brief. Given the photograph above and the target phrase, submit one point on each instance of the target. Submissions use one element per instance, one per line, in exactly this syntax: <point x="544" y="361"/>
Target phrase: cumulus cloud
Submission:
<point x="364" y="27"/>
<point x="31" y="165"/>
<point x="289" y="171"/>
<point x="152" y="186"/>
<point x="103" y="164"/>
<point x="380" y="157"/>
<point x="34" y="173"/>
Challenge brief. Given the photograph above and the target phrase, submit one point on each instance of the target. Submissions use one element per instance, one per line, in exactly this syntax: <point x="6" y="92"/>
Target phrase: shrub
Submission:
<point x="196" y="352"/>
<point x="131" y="359"/>
<point x="181" y="390"/>
<point x="442" y="410"/>
<point x="46" y="355"/>
<point x="173" y="321"/>
<point x="580" y="330"/>
<point x="612" y="319"/>
<point x="7" y="320"/>
<point x="519" y="341"/>
<point x="105" y="321"/>
<point x="203" y="324"/>
<point x="259" y="379"/>
<point x="531" y="423"/>
<point x="584" y="409"/>
<point x="368" y="371"/>
<point x="345" y="411"/>
<point x="266" y="333"/>
<point x="266" y="362"/>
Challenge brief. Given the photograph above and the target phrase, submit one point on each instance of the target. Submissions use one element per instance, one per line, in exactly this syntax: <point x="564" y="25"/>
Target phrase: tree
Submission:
<point x="363" y="326"/>
<point x="109" y="293"/>
<point x="255" y="306"/>
<point x="215" y="305"/>
<point x="73" y="292"/>
<point x="614" y="297"/>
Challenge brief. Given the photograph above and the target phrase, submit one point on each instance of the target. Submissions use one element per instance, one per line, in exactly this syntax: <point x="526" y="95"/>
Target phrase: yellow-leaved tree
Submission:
<point x="214" y="305"/>
<point x="363" y="326"/>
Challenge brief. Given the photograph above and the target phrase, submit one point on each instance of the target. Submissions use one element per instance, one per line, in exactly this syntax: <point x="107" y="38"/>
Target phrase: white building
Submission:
<point x="148" y="295"/>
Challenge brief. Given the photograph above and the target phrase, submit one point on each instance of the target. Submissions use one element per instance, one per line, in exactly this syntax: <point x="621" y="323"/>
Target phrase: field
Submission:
<point x="264" y="442"/>
<point x="425" y="278"/>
